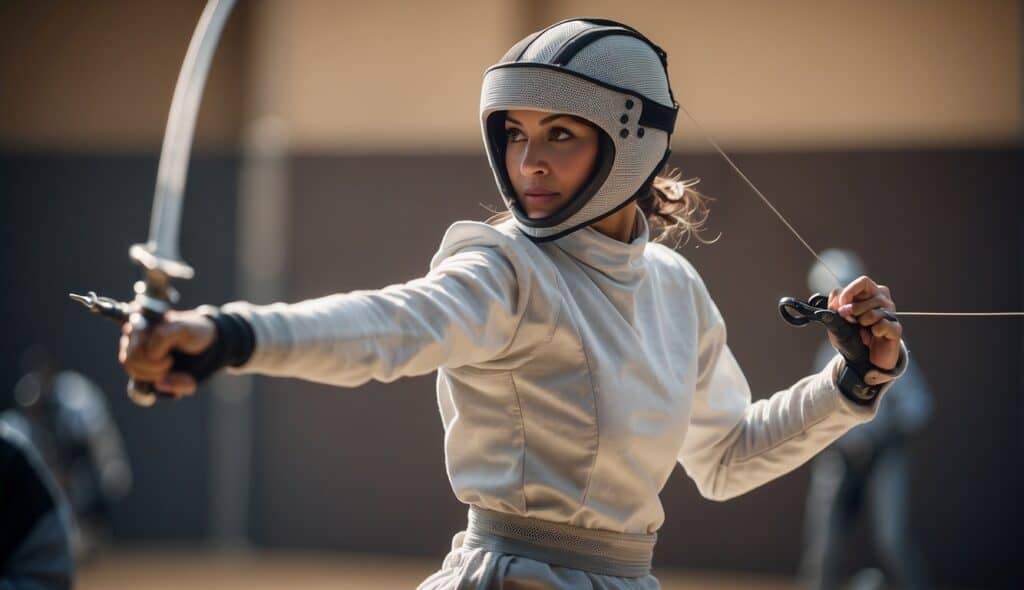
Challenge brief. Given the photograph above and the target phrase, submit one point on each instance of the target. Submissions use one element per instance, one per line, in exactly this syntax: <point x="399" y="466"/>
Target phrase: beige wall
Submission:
<point x="824" y="73"/>
<point x="98" y="75"/>
<point x="381" y="75"/>
<point x="401" y="75"/>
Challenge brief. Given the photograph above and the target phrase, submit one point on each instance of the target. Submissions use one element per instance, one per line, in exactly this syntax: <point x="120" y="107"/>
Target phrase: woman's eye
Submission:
<point x="560" y="134"/>
<point x="513" y="134"/>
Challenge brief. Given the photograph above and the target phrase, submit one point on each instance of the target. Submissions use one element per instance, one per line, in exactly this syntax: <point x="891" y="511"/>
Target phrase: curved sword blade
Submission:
<point x="161" y="250"/>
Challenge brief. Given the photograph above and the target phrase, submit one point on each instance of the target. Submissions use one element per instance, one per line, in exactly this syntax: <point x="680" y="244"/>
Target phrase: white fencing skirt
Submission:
<point x="504" y="552"/>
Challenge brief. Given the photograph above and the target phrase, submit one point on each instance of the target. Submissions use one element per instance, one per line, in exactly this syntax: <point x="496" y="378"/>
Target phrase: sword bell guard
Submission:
<point x="144" y="256"/>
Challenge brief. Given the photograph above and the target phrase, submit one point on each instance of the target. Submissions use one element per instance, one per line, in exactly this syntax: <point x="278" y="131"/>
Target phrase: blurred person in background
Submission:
<point x="865" y="472"/>
<point x="577" y="359"/>
<point x="64" y="416"/>
<point x="35" y="521"/>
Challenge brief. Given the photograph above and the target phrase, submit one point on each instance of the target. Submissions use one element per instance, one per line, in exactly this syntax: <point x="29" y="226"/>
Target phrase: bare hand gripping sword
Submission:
<point x="159" y="256"/>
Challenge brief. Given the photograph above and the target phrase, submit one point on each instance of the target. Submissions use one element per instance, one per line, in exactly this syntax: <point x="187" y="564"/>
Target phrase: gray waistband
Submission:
<point x="600" y="552"/>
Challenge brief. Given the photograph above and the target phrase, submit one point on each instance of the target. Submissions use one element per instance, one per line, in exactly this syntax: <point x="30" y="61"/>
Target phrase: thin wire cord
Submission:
<point x="961" y="314"/>
<point x="763" y="198"/>
<point x="814" y="253"/>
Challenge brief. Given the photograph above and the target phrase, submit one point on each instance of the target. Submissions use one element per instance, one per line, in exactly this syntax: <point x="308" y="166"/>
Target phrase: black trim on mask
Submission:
<point x="604" y="22"/>
<point x="645" y="187"/>
<point x="579" y="41"/>
<point x="496" y="155"/>
<point x="601" y="22"/>
<point x="662" y="55"/>
<point x="515" y="53"/>
<point x="654" y="114"/>
<point x="521" y="47"/>
<point x="606" y="159"/>
<point x="657" y="115"/>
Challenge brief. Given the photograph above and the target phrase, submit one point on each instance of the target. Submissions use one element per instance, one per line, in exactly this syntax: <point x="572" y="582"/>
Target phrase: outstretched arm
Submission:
<point x="466" y="310"/>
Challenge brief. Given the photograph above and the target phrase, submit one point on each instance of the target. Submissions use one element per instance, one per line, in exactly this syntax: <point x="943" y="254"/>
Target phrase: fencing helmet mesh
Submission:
<point x="847" y="266"/>
<point x="601" y="71"/>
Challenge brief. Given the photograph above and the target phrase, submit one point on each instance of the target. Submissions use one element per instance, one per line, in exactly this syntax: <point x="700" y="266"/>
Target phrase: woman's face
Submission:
<point x="549" y="157"/>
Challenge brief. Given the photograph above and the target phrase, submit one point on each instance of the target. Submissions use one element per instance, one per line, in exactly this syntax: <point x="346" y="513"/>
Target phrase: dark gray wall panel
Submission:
<point x="66" y="222"/>
<point x="362" y="470"/>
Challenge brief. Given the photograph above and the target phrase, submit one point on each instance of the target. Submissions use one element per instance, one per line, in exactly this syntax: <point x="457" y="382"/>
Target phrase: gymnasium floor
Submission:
<point x="163" y="569"/>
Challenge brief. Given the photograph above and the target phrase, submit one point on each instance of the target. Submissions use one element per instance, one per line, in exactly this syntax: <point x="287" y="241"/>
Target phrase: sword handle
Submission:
<point x="800" y="313"/>
<point x="144" y="393"/>
<point x="847" y="335"/>
<point x="199" y="366"/>
<point x="140" y="392"/>
<point x="144" y="314"/>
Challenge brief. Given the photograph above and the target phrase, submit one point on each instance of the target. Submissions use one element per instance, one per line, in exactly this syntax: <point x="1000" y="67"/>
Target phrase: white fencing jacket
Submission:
<point x="571" y="375"/>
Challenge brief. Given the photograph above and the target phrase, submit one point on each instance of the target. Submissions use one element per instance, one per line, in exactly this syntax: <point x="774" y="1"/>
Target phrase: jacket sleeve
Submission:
<point x="465" y="310"/>
<point x="733" y="445"/>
